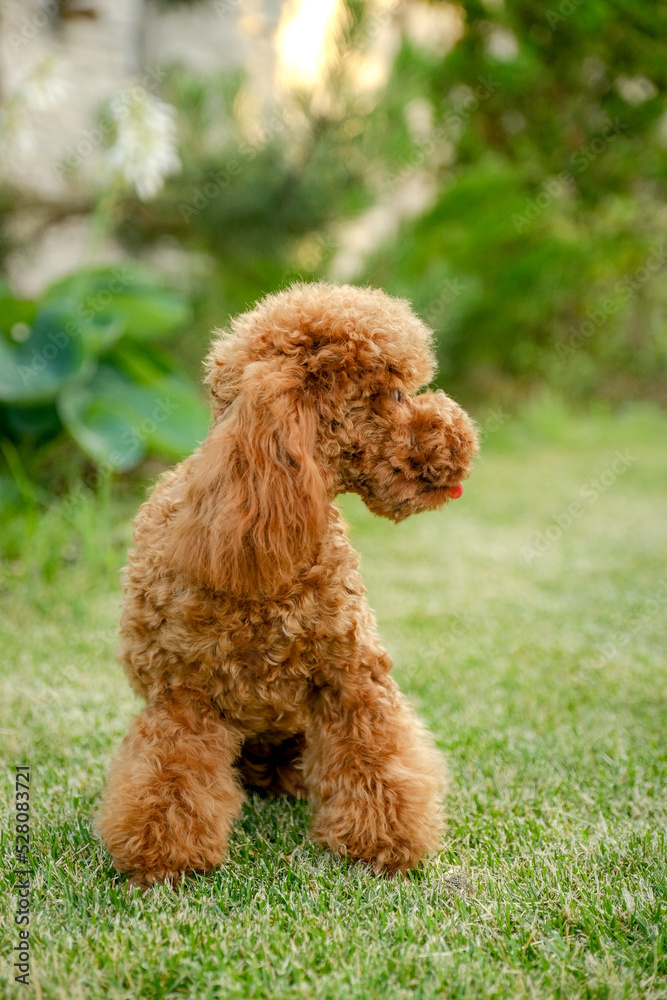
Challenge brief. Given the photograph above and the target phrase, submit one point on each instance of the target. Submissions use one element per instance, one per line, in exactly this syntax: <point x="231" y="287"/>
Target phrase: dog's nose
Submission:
<point x="444" y="443"/>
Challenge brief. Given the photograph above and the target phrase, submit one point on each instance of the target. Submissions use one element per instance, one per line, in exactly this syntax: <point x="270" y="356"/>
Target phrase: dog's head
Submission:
<point x="315" y="392"/>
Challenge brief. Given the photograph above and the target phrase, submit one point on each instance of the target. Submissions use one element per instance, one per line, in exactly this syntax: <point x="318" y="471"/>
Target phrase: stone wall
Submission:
<point x="54" y="156"/>
<point x="98" y="48"/>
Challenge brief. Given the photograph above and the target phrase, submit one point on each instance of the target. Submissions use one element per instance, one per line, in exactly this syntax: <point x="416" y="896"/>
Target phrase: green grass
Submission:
<point x="542" y="677"/>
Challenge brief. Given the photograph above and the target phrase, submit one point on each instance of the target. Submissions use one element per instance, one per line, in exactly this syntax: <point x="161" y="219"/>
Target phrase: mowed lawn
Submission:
<point x="526" y="622"/>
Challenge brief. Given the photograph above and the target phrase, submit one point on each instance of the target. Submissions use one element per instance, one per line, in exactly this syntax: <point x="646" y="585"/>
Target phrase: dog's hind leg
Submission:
<point x="172" y="792"/>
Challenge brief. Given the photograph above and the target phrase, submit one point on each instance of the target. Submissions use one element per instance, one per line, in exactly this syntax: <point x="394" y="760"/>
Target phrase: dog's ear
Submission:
<point x="255" y="499"/>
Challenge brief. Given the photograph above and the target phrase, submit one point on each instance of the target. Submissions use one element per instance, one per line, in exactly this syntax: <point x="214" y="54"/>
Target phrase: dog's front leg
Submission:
<point x="373" y="775"/>
<point x="172" y="794"/>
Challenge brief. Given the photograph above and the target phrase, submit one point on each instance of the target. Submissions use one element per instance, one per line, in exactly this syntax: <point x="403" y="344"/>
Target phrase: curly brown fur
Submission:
<point x="245" y="623"/>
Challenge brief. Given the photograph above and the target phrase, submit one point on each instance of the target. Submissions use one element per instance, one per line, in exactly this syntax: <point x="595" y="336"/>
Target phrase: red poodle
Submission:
<point x="245" y="623"/>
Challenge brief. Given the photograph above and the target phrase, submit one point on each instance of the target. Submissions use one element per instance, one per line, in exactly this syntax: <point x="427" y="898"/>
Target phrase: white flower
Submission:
<point x="45" y="86"/>
<point x="42" y="88"/>
<point x="144" y="152"/>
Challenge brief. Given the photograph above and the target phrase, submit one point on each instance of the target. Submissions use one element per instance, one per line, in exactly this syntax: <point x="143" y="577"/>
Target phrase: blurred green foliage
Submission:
<point x="260" y="201"/>
<point x="87" y="358"/>
<point x="540" y="255"/>
<point x="538" y="144"/>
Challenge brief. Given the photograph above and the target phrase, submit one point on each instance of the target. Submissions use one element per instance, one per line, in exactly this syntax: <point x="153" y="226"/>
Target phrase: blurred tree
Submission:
<point x="543" y="249"/>
<point x="539" y="142"/>
<point x="256" y="194"/>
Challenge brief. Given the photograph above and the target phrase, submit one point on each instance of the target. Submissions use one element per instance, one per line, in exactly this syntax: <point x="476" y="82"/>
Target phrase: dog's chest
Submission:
<point x="270" y="681"/>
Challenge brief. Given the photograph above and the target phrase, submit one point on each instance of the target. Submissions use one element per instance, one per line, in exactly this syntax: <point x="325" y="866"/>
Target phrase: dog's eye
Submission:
<point x="398" y="395"/>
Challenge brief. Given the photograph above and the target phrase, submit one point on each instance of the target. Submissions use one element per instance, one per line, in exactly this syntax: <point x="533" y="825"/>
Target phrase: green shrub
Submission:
<point x="86" y="360"/>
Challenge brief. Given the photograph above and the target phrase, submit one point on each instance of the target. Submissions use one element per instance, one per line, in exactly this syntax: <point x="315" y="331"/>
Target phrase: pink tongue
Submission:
<point x="455" y="491"/>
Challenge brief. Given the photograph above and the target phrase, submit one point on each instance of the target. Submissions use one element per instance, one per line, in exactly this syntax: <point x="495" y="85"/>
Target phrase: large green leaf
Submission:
<point x="9" y="491"/>
<point x="98" y="333"/>
<point x="102" y="419"/>
<point x="34" y="422"/>
<point x="142" y="363"/>
<point x="151" y="313"/>
<point x="52" y="356"/>
<point x="117" y="421"/>
<point x="183" y="419"/>
<point x="102" y="428"/>
<point x="13" y="311"/>
<point x="123" y="295"/>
